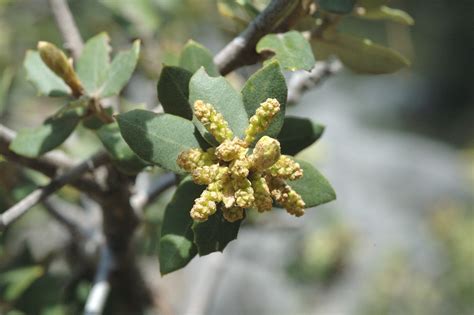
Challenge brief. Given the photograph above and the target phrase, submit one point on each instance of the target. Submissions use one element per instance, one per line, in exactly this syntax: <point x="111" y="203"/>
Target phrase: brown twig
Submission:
<point x="302" y="81"/>
<point x="49" y="164"/>
<point x="57" y="183"/>
<point x="67" y="26"/>
<point x="241" y="50"/>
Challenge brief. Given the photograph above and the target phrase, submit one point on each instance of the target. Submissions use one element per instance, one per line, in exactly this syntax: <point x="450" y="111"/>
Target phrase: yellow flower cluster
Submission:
<point x="235" y="178"/>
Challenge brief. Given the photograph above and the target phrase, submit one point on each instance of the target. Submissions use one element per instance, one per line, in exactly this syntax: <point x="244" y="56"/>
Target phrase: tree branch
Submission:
<point x="100" y="290"/>
<point x="241" y="50"/>
<point x="146" y="195"/>
<point x="49" y="164"/>
<point x="57" y="183"/>
<point x="67" y="26"/>
<point x="302" y="81"/>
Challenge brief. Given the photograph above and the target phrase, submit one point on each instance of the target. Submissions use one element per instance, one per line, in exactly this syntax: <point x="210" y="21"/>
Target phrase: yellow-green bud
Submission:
<point x="286" y="168"/>
<point x="286" y="196"/>
<point x="231" y="149"/>
<point x="263" y="199"/>
<point x="265" y="154"/>
<point x="191" y="159"/>
<point x="213" y="121"/>
<point x="205" y="205"/>
<point x="243" y="192"/>
<point x="57" y="61"/>
<point x="204" y="175"/>
<point x="240" y="167"/>
<point x="233" y="214"/>
<point x="262" y="119"/>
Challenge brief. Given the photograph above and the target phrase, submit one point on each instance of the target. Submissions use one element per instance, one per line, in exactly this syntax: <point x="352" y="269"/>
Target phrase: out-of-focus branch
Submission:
<point x="49" y="164"/>
<point x="100" y="290"/>
<point x="54" y="210"/>
<point x="302" y="81"/>
<point x="241" y="50"/>
<point x="146" y="195"/>
<point x="57" y="183"/>
<point x="67" y="26"/>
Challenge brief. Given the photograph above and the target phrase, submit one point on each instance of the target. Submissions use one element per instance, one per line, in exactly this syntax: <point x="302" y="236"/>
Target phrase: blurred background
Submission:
<point x="398" y="149"/>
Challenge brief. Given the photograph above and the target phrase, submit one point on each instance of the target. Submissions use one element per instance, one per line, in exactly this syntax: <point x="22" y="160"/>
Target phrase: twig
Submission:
<point x="146" y="196"/>
<point x="241" y="50"/>
<point x="49" y="164"/>
<point x="67" y="26"/>
<point x="57" y="183"/>
<point x="100" y="290"/>
<point x="302" y="81"/>
<point x="53" y="207"/>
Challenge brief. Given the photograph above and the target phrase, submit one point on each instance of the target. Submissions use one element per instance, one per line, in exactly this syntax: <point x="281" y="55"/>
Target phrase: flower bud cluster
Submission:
<point x="213" y="121"/>
<point x="235" y="179"/>
<point x="262" y="118"/>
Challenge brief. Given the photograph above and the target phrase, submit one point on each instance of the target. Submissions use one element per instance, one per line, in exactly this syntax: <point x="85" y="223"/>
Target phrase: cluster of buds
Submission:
<point x="236" y="179"/>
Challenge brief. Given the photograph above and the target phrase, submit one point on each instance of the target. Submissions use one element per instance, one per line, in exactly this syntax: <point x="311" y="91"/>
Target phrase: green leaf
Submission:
<point x="173" y="91"/>
<point x="214" y="234"/>
<point x="53" y="132"/>
<point x="267" y="82"/>
<point x="176" y="242"/>
<point x="361" y="55"/>
<point x="158" y="139"/>
<point x="195" y="56"/>
<point x="18" y="280"/>
<point x="337" y="6"/>
<point x="298" y="134"/>
<point x="291" y="49"/>
<point x="313" y="187"/>
<point x="120" y="71"/>
<point x="226" y="100"/>
<point x="94" y="62"/>
<point x="122" y="156"/>
<point x="45" y="80"/>
<point x="387" y="13"/>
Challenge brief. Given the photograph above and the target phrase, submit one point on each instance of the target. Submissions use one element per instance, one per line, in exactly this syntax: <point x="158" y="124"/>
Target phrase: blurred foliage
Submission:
<point x="442" y="36"/>
<point x="400" y="288"/>
<point x="323" y="254"/>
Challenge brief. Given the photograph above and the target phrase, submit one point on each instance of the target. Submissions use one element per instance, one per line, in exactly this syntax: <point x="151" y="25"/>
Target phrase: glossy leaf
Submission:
<point x="158" y="139"/>
<point x="195" y="56"/>
<point x="214" y="234"/>
<point x="291" y="50"/>
<point x="267" y="82"/>
<point x="52" y="133"/>
<point x="388" y="14"/>
<point x="361" y="55"/>
<point x="313" y="187"/>
<point x="121" y="154"/>
<point x="120" y="71"/>
<point x="226" y="100"/>
<point x="94" y="62"/>
<point x="173" y="91"/>
<point x="337" y="6"/>
<point x="298" y="134"/>
<point x="176" y="242"/>
<point x="45" y="80"/>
